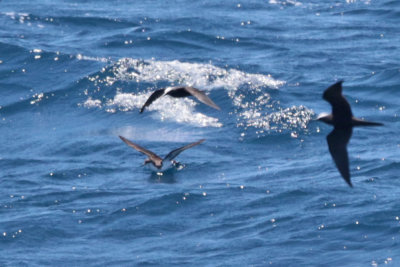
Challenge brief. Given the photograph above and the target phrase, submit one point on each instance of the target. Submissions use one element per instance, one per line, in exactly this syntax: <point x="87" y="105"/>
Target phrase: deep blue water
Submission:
<point x="261" y="190"/>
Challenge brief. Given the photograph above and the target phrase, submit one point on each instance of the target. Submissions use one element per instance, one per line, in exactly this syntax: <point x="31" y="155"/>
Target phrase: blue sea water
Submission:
<point x="261" y="190"/>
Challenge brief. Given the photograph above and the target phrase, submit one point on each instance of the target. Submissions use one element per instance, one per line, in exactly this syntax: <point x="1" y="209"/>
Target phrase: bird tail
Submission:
<point x="358" y="122"/>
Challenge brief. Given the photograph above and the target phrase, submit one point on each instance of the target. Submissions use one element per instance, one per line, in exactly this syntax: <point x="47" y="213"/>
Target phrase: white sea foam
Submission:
<point x="264" y="114"/>
<point x="91" y="103"/>
<point x="100" y="59"/>
<point x="284" y="3"/>
<point x="202" y="75"/>
<point x="284" y="118"/>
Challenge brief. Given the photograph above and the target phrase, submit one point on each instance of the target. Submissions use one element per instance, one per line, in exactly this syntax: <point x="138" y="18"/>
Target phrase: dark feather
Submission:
<point x="178" y="92"/>
<point x="337" y="143"/>
<point x="174" y="153"/>
<point x="155" y="95"/>
<point x="152" y="156"/>
<point x="201" y="96"/>
<point x="341" y="110"/>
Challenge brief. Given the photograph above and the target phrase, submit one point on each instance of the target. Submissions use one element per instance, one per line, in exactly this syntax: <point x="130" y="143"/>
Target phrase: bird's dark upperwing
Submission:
<point x="152" y="156"/>
<point x="174" y="153"/>
<point x="202" y="97"/>
<point x="156" y="94"/>
<point x="333" y="92"/>
<point x="337" y="143"/>
<point x="341" y="109"/>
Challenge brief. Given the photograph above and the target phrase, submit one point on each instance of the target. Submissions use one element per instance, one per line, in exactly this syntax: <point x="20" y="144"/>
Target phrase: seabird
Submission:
<point x="157" y="163"/>
<point x="343" y="122"/>
<point x="180" y="92"/>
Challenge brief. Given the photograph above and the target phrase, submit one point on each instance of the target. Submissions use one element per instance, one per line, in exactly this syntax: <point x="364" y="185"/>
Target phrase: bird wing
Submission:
<point x="174" y="153"/>
<point x="337" y="143"/>
<point x="156" y="94"/>
<point x="201" y="96"/>
<point x="152" y="156"/>
<point x="340" y="107"/>
<point x="333" y="92"/>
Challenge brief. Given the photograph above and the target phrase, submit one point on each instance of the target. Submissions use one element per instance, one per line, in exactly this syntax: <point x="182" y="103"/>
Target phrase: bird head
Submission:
<point x="325" y="117"/>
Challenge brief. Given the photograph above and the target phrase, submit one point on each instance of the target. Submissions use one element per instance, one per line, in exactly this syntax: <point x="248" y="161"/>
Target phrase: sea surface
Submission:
<point x="261" y="190"/>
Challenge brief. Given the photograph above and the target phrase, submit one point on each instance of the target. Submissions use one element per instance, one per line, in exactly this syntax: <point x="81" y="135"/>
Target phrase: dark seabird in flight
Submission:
<point x="343" y="121"/>
<point x="180" y="92"/>
<point x="157" y="163"/>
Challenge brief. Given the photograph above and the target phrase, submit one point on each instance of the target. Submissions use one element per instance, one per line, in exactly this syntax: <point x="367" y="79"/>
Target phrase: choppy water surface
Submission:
<point x="262" y="189"/>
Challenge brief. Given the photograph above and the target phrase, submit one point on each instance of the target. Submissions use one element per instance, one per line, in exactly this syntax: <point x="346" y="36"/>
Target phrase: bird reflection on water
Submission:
<point x="167" y="176"/>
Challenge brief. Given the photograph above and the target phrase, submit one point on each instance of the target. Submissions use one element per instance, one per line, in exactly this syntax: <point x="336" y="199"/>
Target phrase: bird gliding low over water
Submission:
<point x="343" y="122"/>
<point x="180" y="91"/>
<point x="157" y="163"/>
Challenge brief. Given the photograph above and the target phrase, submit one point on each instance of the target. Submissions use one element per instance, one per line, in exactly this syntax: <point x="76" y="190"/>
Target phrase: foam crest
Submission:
<point x="205" y="76"/>
<point x="91" y="103"/>
<point x="99" y="59"/>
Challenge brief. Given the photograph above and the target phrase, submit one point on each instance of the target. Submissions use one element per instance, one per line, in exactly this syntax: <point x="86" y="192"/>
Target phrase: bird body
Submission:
<point x="166" y="165"/>
<point x="354" y="122"/>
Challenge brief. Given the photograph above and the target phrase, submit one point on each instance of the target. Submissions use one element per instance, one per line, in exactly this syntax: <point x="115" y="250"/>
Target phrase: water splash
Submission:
<point x="283" y="119"/>
<point x="255" y="109"/>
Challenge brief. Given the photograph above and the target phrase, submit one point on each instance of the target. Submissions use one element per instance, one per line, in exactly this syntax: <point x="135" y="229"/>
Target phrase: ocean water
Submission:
<point x="261" y="190"/>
